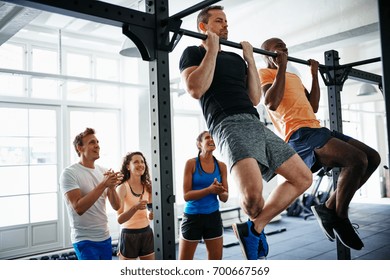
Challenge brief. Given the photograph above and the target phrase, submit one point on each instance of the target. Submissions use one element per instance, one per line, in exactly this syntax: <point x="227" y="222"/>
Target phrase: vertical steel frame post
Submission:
<point x="160" y="110"/>
<point x="335" y="119"/>
<point x="384" y="23"/>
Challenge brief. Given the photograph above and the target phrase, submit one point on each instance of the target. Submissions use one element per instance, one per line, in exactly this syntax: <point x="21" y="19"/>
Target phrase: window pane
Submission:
<point x="17" y="124"/>
<point x="13" y="151"/>
<point x="14" y="180"/>
<point x="45" y="88"/>
<point x="43" y="178"/>
<point x="43" y="207"/>
<point x="11" y="56"/>
<point x="43" y="123"/>
<point x="78" y="65"/>
<point x="79" y="92"/>
<point x="107" y="94"/>
<point x="17" y="206"/>
<point x="106" y="125"/>
<point x="44" y="61"/>
<point x="43" y="150"/>
<point x="187" y="128"/>
<point x="107" y="69"/>
<point x="12" y="85"/>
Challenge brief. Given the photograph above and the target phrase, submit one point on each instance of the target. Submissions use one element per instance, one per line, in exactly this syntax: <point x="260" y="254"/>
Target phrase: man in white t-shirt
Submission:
<point x="85" y="187"/>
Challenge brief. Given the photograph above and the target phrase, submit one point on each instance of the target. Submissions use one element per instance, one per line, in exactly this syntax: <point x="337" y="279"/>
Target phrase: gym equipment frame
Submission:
<point x="150" y="31"/>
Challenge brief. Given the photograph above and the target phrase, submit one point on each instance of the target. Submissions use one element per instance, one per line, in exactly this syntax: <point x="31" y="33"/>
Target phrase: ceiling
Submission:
<point x="308" y="27"/>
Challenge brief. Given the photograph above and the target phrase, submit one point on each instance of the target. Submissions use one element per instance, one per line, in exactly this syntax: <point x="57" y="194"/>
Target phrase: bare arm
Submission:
<point x="188" y="192"/>
<point x="314" y="96"/>
<point x="253" y="80"/>
<point x="274" y="93"/>
<point x="81" y="203"/>
<point x="223" y="196"/>
<point x="113" y="198"/>
<point x="123" y="215"/>
<point x="199" y="78"/>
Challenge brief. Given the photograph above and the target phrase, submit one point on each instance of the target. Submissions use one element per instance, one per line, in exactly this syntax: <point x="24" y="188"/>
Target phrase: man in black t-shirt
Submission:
<point x="228" y="88"/>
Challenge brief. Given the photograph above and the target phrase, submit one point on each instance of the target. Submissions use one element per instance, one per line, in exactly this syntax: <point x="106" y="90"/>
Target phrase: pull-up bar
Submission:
<point x="238" y="46"/>
<point x="346" y="69"/>
<point x="173" y="24"/>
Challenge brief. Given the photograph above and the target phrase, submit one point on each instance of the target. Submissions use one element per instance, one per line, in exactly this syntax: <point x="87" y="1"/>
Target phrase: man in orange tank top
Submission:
<point x="292" y="109"/>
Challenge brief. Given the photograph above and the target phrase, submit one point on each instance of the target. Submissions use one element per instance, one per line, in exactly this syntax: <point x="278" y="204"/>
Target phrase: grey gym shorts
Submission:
<point x="243" y="136"/>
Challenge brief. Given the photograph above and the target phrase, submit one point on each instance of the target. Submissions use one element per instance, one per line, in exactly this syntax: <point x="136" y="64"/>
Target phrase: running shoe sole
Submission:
<point x="242" y="245"/>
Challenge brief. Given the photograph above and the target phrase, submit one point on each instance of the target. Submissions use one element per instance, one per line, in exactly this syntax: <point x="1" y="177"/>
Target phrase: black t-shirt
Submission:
<point x="228" y="92"/>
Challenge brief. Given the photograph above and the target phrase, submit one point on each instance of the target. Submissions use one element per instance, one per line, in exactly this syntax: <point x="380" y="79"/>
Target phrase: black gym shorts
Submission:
<point x="136" y="243"/>
<point x="195" y="227"/>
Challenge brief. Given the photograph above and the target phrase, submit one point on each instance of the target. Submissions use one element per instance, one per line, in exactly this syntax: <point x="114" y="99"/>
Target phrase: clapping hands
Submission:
<point x="112" y="179"/>
<point x="217" y="187"/>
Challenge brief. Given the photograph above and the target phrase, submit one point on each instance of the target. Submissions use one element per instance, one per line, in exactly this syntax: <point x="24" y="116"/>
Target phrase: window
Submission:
<point x="34" y="147"/>
<point x="12" y="57"/>
<point x="187" y="129"/>
<point x="28" y="165"/>
<point x="106" y="125"/>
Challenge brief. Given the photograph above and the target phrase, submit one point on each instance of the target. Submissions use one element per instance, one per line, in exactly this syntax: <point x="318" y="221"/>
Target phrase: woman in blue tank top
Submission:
<point x="205" y="184"/>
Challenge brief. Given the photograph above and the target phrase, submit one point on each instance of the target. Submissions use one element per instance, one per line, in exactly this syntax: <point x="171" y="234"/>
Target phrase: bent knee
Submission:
<point x="253" y="204"/>
<point x="303" y="178"/>
<point x="374" y="159"/>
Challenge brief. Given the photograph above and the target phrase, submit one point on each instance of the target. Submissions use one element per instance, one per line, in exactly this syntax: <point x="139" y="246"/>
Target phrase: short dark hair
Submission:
<point x="204" y="15"/>
<point x="78" y="140"/>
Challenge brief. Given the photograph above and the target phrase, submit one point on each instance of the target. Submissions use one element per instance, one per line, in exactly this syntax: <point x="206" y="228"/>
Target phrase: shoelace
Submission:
<point x="355" y="227"/>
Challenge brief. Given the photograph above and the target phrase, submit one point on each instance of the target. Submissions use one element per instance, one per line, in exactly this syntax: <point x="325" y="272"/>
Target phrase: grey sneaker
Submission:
<point x="346" y="233"/>
<point x="326" y="219"/>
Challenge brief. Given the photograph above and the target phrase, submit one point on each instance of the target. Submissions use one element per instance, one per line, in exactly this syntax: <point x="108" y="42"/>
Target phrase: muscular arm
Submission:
<point x="274" y="93"/>
<point x="81" y="203"/>
<point x="253" y="80"/>
<point x="314" y="96"/>
<point x="199" y="78"/>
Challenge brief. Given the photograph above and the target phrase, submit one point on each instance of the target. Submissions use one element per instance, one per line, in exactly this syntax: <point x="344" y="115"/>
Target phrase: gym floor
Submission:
<point x="296" y="238"/>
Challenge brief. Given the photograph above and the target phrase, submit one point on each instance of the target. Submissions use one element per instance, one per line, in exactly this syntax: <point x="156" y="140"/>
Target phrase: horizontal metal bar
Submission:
<point x="358" y="63"/>
<point x="238" y="46"/>
<point x="193" y="9"/>
<point x="363" y="76"/>
<point x="96" y="11"/>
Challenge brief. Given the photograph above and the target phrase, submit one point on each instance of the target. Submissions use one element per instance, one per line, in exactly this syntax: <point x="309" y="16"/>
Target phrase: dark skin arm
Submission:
<point x="274" y="93"/>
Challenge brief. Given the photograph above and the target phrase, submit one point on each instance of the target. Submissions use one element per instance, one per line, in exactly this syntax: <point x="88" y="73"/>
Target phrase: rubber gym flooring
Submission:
<point x="296" y="238"/>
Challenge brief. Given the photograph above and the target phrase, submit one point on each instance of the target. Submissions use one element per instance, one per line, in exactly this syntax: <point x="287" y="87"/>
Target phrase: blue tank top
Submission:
<point x="201" y="180"/>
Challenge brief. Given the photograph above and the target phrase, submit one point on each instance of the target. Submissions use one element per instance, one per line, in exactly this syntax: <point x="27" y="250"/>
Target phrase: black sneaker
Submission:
<point x="326" y="219"/>
<point x="347" y="234"/>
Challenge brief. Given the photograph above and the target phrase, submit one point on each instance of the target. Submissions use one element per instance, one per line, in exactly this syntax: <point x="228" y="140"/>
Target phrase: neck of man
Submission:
<point x="87" y="163"/>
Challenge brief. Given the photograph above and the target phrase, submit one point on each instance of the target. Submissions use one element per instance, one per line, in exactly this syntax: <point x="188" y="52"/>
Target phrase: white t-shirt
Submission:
<point x="93" y="224"/>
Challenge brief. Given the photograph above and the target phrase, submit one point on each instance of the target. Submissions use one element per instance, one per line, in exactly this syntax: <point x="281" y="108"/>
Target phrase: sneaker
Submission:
<point x="248" y="241"/>
<point x="263" y="249"/>
<point x="346" y="233"/>
<point x="326" y="219"/>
